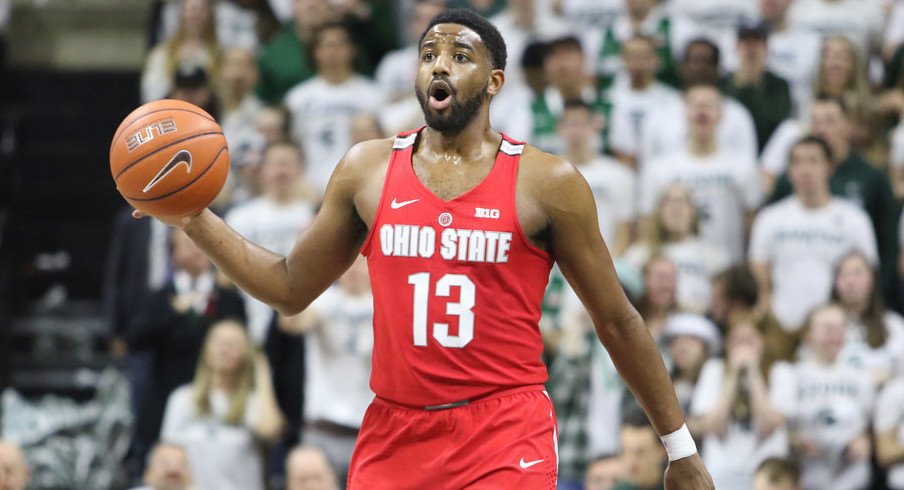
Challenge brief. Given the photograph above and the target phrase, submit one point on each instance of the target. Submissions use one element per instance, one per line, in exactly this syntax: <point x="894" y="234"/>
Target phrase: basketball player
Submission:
<point x="460" y="226"/>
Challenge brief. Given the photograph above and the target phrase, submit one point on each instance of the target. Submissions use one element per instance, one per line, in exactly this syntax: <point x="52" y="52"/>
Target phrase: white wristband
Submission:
<point x="679" y="444"/>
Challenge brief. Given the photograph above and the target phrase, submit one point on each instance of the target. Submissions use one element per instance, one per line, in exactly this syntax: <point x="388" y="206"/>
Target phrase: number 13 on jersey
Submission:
<point x="461" y="309"/>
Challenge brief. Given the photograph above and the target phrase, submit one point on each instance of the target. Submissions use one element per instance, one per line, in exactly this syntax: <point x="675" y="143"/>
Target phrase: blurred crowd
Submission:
<point x="747" y="160"/>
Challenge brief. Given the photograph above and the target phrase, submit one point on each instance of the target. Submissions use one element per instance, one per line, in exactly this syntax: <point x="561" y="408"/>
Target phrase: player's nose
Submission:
<point x="443" y="65"/>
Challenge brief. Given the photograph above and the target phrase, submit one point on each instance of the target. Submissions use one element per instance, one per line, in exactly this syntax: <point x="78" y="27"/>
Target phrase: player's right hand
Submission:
<point x="688" y="474"/>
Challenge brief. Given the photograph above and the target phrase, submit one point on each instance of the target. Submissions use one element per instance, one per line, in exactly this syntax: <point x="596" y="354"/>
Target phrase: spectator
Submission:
<point x="239" y="106"/>
<point x="14" y="472"/>
<point x="735" y="297"/>
<point x="564" y="65"/>
<point x="716" y="20"/>
<point x="894" y="31"/>
<point x="659" y="295"/>
<point x="669" y="130"/>
<point x="796" y="242"/>
<point x="690" y="340"/>
<point x="167" y="469"/>
<point x="397" y="69"/>
<point x="172" y="324"/>
<point x="842" y="75"/>
<point x="827" y="405"/>
<point x="891" y="104"/>
<point x="194" y="44"/>
<point x="235" y="20"/>
<point x="221" y="416"/>
<point x="338" y="328"/>
<point x="765" y="95"/>
<point x="603" y="472"/>
<point x="674" y="232"/>
<point x="639" y="18"/>
<point x="307" y="468"/>
<point x="366" y="127"/>
<point x="613" y="185"/>
<point x="274" y="219"/>
<point x="777" y="474"/>
<point x="192" y="84"/>
<point x="855" y="179"/>
<point x="642" y="456"/>
<point x="323" y="106"/>
<point x="861" y="22"/>
<point x="636" y="97"/>
<point x="875" y="336"/>
<point x="522" y="22"/>
<point x="793" y="52"/>
<point x="724" y="182"/>
<point x="285" y="61"/>
<point x="888" y="427"/>
<point x="733" y="411"/>
<point x="274" y="123"/>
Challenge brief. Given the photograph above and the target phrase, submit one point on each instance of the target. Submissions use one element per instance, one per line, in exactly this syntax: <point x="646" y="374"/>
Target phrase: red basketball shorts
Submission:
<point x="504" y="441"/>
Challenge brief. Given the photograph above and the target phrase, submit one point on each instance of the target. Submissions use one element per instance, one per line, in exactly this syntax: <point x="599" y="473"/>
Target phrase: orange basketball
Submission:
<point x="169" y="158"/>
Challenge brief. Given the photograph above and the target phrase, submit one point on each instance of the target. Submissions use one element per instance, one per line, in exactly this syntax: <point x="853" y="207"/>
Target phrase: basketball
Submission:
<point x="169" y="159"/>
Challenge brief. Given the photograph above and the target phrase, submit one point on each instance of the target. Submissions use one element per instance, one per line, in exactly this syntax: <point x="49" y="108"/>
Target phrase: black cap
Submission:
<point x="757" y="30"/>
<point x="190" y="76"/>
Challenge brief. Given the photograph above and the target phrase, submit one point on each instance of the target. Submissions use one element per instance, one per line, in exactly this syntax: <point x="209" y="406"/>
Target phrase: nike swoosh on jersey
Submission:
<point x="396" y="205"/>
<point x="181" y="157"/>
<point x="528" y="464"/>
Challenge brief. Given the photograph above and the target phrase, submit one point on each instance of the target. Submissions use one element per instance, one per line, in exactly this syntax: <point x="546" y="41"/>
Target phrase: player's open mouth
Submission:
<point x="440" y="95"/>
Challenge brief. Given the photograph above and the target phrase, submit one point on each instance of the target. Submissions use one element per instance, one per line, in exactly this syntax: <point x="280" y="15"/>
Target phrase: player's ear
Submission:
<point x="497" y="80"/>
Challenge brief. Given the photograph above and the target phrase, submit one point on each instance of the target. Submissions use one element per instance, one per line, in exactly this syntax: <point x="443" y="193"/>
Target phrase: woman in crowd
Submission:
<point x="875" y="335"/>
<point x="675" y="235"/>
<point x="194" y="44"/>
<point x="733" y="412"/>
<point x="224" y="415"/>
<point x="842" y="75"/>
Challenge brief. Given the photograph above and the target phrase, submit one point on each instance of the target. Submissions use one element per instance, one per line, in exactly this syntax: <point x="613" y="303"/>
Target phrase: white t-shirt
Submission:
<point x="830" y="406"/>
<point x="884" y="361"/>
<point x="802" y="246"/>
<point x="546" y="27"/>
<point x="861" y="21"/>
<point x="276" y="228"/>
<point x="697" y="263"/>
<point x="631" y="109"/>
<point x="613" y="186"/>
<point x="896" y="154"/>
<point x="889" y="415"/>
<point x="338" y="358"/>
<point x="733" y="458"/>
<point x="221" y="455"/>
<point x="396" y="72"/>
<point x="236" y="26"/>
<point x="510" y="112"/>
<point x="725" y="185"/>
<point x="667" y="131"/>
<point x="716" y="20"/>
<point x="594" y="14"/>
<point x="794" y="56"/>
<point x="321" y="118"/>
<point x="774" y="159"/>
<point x="894" y="28"/>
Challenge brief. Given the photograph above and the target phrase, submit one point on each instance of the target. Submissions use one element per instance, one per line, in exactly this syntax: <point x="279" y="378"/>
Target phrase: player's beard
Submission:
<point x="457" y="116"/>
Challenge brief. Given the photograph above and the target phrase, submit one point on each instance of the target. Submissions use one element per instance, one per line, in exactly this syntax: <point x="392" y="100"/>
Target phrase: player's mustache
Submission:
<point x="443" y="82"/>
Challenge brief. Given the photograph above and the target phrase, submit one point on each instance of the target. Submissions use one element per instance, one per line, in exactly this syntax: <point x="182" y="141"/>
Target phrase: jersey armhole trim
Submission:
<point x="516" y="165"/>
<point x="365" y="248"/>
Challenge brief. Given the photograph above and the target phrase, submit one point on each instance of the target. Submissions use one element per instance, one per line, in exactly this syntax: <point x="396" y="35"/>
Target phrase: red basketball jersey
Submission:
<point x="457" y="287"/>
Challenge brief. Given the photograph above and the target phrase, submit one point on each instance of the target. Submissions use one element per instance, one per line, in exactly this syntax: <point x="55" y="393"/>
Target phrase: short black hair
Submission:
<point x="703" y="41"/>
<point x="319" y="31"/>
<point x="567" y="42"/>
<point x="817" y="141"/>
<point x="739" y="284"/>
<point x="479" y="24"/>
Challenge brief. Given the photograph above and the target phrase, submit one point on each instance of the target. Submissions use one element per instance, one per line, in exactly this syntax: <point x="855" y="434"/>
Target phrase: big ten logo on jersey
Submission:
<point x="146" y="133"/>
<point x="452" y="244"/>
<point x="486" y="213"/>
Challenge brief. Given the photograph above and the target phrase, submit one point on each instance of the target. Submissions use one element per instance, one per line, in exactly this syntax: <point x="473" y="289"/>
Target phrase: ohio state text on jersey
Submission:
<point x="457" y="287"/>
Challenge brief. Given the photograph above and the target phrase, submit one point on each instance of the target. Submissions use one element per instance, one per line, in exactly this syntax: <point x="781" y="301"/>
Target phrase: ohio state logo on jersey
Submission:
<point x="452" y="243"/>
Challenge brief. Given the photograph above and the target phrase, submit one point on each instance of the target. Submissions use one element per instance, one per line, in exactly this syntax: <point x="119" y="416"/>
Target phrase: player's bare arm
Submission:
<point x="322" y="253"/>
<point x="557" y="211"/>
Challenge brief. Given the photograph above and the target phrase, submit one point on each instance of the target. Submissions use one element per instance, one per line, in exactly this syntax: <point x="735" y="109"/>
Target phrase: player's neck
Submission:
<point x="466" y="144"/>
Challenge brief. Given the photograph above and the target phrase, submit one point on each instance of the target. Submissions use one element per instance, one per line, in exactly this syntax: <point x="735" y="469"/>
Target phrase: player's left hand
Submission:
<point x="688" y="474"/>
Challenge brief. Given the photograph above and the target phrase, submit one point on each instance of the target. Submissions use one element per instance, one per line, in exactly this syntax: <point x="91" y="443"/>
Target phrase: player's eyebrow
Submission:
<point x="463" y="45"/>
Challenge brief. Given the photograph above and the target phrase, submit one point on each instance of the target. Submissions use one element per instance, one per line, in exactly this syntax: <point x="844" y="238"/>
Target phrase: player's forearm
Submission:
<point x="640" y="365"/>
<point x="257" y="271"/>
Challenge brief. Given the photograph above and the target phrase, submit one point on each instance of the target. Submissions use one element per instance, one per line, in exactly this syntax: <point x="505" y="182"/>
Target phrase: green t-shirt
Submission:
<point x="283" y="64"/>
<point x="769" y="103"/>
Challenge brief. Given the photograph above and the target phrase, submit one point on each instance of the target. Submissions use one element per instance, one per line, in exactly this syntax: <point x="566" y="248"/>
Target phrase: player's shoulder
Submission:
<point x="550" y="178"/>
<point x="364" y="156"/>
<point x="538" y="163"/>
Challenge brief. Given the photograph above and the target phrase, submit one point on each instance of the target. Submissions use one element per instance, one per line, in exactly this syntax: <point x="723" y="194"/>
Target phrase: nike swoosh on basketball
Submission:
<point x="528" y="464"/>
<point x="181" y="157"/>
<point x="396" y="205"/>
